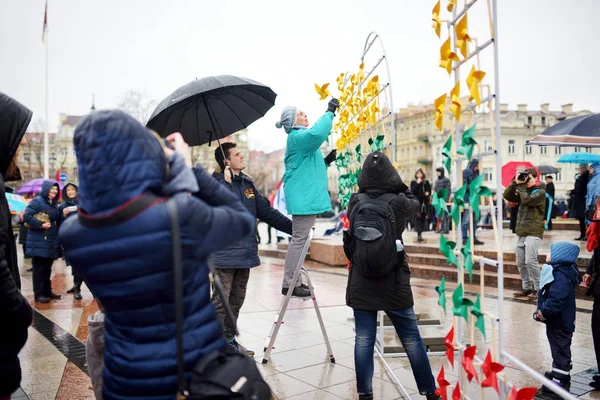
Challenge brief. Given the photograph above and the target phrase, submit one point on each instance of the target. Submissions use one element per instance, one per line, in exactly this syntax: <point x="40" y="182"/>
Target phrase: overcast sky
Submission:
<point x="548" y="50"/>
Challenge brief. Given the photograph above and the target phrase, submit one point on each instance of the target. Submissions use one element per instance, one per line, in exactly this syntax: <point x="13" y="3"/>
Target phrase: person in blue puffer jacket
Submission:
<point x="125" y="254"/>
<point x="234" y="262"/>
<point x="556" y="307"/>
<point x="593" y="186"/>
<point x="42" y="217"/>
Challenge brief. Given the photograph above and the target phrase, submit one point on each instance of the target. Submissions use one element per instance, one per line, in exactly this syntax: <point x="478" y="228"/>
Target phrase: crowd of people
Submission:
<point x="115" y="230"/>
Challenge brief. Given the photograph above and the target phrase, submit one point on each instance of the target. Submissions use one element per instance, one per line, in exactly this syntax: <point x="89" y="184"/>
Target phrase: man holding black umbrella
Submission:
<point x="305" y="182"/>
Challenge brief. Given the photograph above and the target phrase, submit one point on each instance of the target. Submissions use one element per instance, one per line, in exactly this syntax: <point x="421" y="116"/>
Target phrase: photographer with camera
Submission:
<point x="530" y="194"/>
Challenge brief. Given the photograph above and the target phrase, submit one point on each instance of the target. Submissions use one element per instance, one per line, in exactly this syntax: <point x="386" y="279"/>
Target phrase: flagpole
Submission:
<point x="46" y="161"/>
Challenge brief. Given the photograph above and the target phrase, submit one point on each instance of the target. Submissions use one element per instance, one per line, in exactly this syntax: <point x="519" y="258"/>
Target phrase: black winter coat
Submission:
<point x="15" y="312"/>
<point x="393" y="292"/>
<point x="580" y="193"/>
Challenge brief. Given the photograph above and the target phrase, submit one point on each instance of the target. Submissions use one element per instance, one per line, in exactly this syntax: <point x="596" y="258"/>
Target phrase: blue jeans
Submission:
<point x="465" y="226"/>
<point x="405" y="323"/>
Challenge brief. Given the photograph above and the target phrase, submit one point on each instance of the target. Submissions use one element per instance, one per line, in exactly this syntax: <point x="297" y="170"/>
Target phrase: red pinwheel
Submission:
<point x="467" y="363"/>
<point x="449" y="343"/>
<point x="490" y="369"/>
<point x="443" y="383"/>
<point x="456" y="392"/>
<point x="527" y="393"/>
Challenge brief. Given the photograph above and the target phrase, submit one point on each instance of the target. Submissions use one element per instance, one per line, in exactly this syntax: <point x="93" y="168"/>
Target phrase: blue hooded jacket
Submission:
<point x="244" y="253"/>
<point x="128" y="266"/>
<point x="593" y="186"/>
<point x="43" y="242"/>
<point x="556" y="298"/>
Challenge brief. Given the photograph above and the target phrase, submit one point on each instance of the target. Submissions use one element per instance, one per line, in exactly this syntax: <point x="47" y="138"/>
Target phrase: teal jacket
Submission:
<point x="305" y="178"/>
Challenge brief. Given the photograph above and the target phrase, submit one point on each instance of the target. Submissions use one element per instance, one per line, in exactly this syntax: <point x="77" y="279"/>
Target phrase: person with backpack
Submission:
<point x="421" y="188"/>
<point x="379" y="276"/>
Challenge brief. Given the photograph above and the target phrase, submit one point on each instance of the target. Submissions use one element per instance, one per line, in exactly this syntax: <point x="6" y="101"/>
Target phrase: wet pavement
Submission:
<point x="299" y="366"/>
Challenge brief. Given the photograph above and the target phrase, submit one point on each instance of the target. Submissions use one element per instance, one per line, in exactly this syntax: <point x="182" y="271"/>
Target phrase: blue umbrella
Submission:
<point x="578" y="158"/>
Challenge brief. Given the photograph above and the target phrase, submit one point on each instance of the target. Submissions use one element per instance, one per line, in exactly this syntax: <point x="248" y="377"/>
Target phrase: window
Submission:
<point x="543" y="149"/>
<point x="577" y="149"/>
<point x="488" y="174"/>
<point x="529" y="120"/>
<point x="414" y="154"/>
<point x="559" y="175"/>
<point x="543" y="121"/>
<point x="52" y="157"/>
<point x="557" y="150"/>
<point x="511" y="147"/>
<point x="487" y="145"/>
<point x="588" y="149"/>
<point x="438" y="152"/>
<point x="529" y="149"/>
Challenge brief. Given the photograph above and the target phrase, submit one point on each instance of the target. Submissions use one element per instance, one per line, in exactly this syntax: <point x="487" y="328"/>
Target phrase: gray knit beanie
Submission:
<point x="288" y="116"/>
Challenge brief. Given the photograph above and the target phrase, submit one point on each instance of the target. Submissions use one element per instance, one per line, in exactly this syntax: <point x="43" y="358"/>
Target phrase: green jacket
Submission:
<point x="532" y="204"/>
<point x="305" y="178"/>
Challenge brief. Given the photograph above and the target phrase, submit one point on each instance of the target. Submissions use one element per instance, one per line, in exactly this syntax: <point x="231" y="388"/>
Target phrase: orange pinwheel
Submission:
<point x="447" y="56"/>
<point x="473" y="80"/>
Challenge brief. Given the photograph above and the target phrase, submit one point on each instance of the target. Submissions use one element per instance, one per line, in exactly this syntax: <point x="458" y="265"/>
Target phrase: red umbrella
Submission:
<point x="509" y="170"/>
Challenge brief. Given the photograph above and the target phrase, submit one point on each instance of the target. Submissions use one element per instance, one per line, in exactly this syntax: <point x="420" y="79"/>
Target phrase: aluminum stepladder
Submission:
<point x="298" y="273"/>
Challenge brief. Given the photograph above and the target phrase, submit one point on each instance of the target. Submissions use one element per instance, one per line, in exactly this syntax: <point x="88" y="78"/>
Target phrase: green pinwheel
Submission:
<point x="478" y="313"/>
<point x="439" y="201"/>
<point x="359" y="155"/>
<point x="476" y="189"/>
<point x="458" y="203"/>
<point x="460" y="305"/>
<point x="447" y="249"/>
<point x="468" y="257"/>
<point x="441" y="289"/>
<point x="345" y="199"/>
<point x="468" y="142"/>
<point x="377" y="144"/>
<point x="447" y="161"/>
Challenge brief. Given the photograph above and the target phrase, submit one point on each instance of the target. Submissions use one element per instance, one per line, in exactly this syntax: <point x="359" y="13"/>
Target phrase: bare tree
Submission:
<point x="137" y="104"/>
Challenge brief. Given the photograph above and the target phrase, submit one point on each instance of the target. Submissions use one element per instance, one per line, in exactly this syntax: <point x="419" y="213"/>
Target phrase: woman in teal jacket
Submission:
<point x="305" y="182"/>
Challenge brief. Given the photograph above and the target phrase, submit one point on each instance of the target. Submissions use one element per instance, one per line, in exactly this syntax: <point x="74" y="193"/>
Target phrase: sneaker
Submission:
<point x="478" y="242"/>
<point x="533" y="295"/>
<point x="434" y="396"/>
<point x="42" y="299"/>
<point x="55" y="296"/>
<point x="299" y="291"/>
<point x="365" y="396"/>
<point x="523" y="293"/>
<point x="238" y="347"/>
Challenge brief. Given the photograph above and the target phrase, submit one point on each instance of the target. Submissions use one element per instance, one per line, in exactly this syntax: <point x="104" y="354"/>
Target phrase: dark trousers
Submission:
<point x="420" y="223"/>
<point x="596" y="328"/>
<point x="582" y="227"/>
<point x="269" y="232"/>
<point x="77" y="278"/>
<point x="560" y="347"/>
<point x="235" y="283"/>
<point x="42" y="268"/>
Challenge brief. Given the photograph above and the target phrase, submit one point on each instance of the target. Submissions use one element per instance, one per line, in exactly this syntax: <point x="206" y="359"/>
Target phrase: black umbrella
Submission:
<point x="583" y="131"/>
<point x="211" y="108"/>
<point x="547" y="169"/>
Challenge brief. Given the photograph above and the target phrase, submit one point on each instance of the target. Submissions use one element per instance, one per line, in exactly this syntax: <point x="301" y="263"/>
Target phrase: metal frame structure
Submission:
<point x="300" y="271"/>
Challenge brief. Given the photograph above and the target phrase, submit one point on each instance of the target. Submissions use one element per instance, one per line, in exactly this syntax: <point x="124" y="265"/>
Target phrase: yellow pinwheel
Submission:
<point x="340" y="81"/>
<point x="462" y="35"/>
<point x="354" y="80"/>
<point x="437" y="25"/>
<point x="455" y="96"/>
<point x="451" y="4"/>
<point x="323" y="91"/>
<point x="447" y="56"/>
<point x="473" y="80"/>
<point x="440" y="104"/>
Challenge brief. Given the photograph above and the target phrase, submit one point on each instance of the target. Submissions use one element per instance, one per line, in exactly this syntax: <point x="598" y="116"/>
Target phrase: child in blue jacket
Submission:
<point x="556" y="307"/>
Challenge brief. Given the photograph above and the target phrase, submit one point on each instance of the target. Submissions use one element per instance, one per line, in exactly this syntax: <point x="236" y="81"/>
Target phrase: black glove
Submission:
<point x="333" y="105"/>
<point x="331" y="157"/>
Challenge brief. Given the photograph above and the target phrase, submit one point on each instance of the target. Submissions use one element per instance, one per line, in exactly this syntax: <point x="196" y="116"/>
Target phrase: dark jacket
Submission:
<point x="378" y="176"/>
<point x="532" y="204"/>
<point x="67" y="202"/>
<point x="593" y="269"/>
<point x="43" y="242"/>
<point x="15" y="312"/>
<point x="469" y="175"/>
<point x="579" y="194"/>
<point x="128" y="266"/>
<point x="244" y="253"/>
<point x="549" y="204"/>
<point x="443" y="182"/>
<point x="419" y="190"/>
<point x="556" y="300"/>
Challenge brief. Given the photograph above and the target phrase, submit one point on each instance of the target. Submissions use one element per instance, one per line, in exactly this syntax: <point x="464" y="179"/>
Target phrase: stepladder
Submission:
<point x="300" y="273"/>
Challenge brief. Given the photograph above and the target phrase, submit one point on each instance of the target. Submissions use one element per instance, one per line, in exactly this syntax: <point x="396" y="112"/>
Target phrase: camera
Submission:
<point x="523" y="177"/>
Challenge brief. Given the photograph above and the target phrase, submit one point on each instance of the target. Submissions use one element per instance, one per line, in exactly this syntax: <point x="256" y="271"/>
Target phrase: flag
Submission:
<point x="45" y="28"/>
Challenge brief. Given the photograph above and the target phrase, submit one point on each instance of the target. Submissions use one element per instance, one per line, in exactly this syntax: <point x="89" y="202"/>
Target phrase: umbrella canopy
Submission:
<point x="578" y="158"/>
<point x="16" y="203"/>
<point x="547" y="169"/>
<point x="211" y="108"/>
<point x="509" y="170"/>
<point x="35" y="186"/>
<point x="583" y="131"/>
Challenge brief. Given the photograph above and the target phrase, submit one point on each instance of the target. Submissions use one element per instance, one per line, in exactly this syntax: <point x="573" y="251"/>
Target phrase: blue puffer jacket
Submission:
<point x="593" y="186"/>
<point x="128" y="266"/>
<point x="43" y="242"/>
<point x="244" y="253"/>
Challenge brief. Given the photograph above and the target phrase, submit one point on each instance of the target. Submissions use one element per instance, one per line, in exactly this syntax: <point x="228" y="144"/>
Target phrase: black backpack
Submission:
<point x="373" y="230"/>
